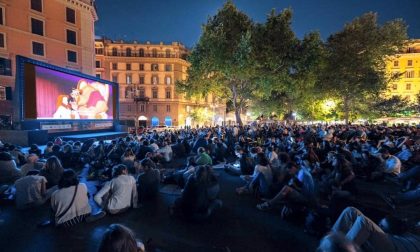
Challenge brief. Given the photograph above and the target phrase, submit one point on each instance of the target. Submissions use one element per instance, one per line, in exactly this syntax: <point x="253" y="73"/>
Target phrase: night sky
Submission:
<point x="181" y="20"/>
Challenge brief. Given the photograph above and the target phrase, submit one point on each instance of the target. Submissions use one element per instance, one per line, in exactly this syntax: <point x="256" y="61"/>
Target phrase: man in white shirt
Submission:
<point x="118" y="194"/>
<point x="166" y="152"/>
<point x="391" y="164"/>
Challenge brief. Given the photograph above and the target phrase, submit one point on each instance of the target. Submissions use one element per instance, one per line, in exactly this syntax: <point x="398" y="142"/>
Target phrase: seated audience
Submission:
<point x="148" y="181"/>
<point x="9" y="172"/>
<point x="52" y="171"/>
<point x="118" y="238"/>
<point x="31" y="190"/>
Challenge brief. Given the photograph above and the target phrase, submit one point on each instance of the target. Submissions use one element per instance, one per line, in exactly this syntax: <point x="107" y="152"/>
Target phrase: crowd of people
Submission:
<point x="311" y="172"/>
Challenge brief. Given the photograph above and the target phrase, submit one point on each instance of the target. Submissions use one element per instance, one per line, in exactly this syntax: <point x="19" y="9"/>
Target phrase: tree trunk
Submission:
<point x="236" y="106"/>
<point x="346" y="109"/>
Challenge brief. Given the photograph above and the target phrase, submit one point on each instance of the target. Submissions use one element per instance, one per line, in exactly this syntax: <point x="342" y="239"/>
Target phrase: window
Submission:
<point x="71" y="56"/>
<point x="154" y="93"/>
<point x="408" y="86"/>
<point x="36" y="5"/>
<point x="129" y="108"/>
<point x="396" y="63"/>
<point x="114" y="51"/>
<point x="154" y="53"/>
<point x="37" y="26"/>
<point x="394" y="86"/>
<point x="410" y="63"/>
<point x="128" y="92"/>
<point x="98" y="64"/>
<point x="5" y="67"/>
<point x="168" y="80"/>
<point x="2" y="41"/>
<point x="98" y="75"/>
<point x="168" y="108"/>
<point x="168" y="68"/>
<point x="155" y="80"/>
<point x="114" y="66"/>
<point x="99" y="51"/>
<point x="168" y="94"/>
<point x="128" y="52"/>
<point x="128" y="66"/>
<point x="37" y="48"/>
<point x="128" y="79"/>
<point x="141" y="52"/>
<point x="141" y="79"/>
<point x="409" y="74"/>
<point x="154" y="108"/>
<point x="115" y="78"/>
<point x="155" y="67"/>
<point x="70" y="15"/>
<point x="141" y="92"/>
<point x="71" y="37"/>
<point x="141" y="67"/>
<point x="168" y="53"/>
<point x="1" y="16"/>
<point x="188" y="108"/>
<point x="142" y="108"/>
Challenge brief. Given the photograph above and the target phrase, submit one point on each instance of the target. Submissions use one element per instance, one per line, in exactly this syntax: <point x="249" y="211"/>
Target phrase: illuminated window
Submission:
<point x="155" y="80"/>
<point x="155" y="67"/>
<point x="394" y="86"/>
<point x="168" y="80"/>
<point x="409" y="74"/>
<point x="129" y="79"/>
<point x="408" y="86"/>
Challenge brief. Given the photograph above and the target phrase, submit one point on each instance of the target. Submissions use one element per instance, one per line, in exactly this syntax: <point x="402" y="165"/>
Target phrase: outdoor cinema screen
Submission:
<point x="51" y="94"/>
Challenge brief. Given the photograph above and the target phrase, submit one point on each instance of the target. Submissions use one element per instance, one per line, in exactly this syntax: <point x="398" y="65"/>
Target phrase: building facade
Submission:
<point x="407" y="64"/>
<point x="146" y="74"/>
<point x="58" y="32"/>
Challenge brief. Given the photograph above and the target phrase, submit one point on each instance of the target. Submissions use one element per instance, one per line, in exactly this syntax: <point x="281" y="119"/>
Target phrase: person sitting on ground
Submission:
<point x="31" y="190"/>
<point x="391" y="165"/>
<point x="391" y="234"/>
<point x="202" y="157"/>
<point x="148" y="181"/>
<point x="120" y="193"/>
<point x="300" y="189"/>
<point x="166" y="151"/>
<point x="52" y="171"/>
<point x="336" y="242"/>
<point x="17" y="155"/>
<point x="9" y="172"/>
<point x="246" y="163"/>
<point x="143" y="149"/>
<point x="199" y="197"/>
<point x="31" y="162"/>
<point x="128" y="159"/>
<point x="48" y="149"/>
<point x="67" y="156"/>
<point x="261" y="180"/>
<point x="154" y="145"/>
<point x="34" y="149"/>
<point x="70" y="203"/>
<point x="119" y="238"/>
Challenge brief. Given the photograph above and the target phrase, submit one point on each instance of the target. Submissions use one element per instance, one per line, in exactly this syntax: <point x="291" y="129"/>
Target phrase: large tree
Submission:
<point x="221" y="62"/>
<point x="356" y="60"/>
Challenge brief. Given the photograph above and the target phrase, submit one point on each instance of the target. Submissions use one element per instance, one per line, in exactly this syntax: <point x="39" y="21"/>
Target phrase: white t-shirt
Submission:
<point x="61" y="199"/>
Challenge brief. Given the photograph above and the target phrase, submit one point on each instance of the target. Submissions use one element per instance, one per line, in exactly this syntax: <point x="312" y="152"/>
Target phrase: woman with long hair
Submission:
<point x="119" y="238"/>
<point x="52" y="171"/>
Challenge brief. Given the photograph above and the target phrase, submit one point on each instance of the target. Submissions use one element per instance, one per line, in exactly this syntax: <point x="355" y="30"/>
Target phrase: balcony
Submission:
<point x="145" y="55"/>
<point x="141" y="99"/>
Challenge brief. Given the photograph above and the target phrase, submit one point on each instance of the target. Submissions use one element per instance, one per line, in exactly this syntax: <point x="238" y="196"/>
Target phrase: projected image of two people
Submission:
<point x="65" y="96"/>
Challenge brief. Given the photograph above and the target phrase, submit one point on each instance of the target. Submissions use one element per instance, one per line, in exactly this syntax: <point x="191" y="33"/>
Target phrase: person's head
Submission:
<point x="336" y="242"/>
<point x="393" y="225"/>
<point x="34" y="147"/>
<point x="119" y="170"/>
<point x="118" y="238"/>
<point x="262" y="159"/>
<point x="56" y="148"/>
<point x="62" y="100"/>
<point x="201" y="150"/>
<point x="384" y="152"/>
<point x="69" y="178"/>
<point x="284" y="158"/>
<point x="50" y="144"/>
<point x="53" y="163"/>
<point x="292" y="168"/>
<point x="147" y="164"/>
<point x="67" y="148"/>
<point x="32" y="158"/>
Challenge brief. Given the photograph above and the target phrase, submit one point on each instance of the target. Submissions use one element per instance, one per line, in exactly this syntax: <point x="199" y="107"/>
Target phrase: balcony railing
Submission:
<point x="141" y="99"/>
<point x="146" y="55"/>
